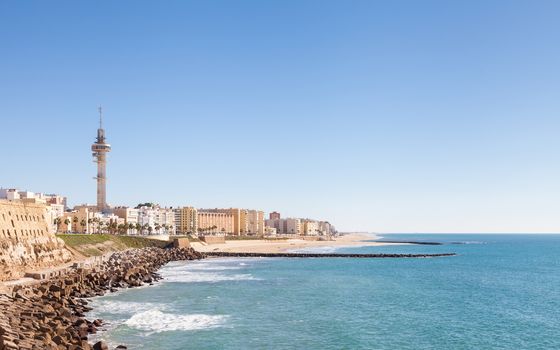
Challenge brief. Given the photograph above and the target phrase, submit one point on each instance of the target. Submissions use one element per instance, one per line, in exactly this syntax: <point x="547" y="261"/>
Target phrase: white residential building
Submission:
<point x="292" y="226"/>
<point x="161" y="220"/>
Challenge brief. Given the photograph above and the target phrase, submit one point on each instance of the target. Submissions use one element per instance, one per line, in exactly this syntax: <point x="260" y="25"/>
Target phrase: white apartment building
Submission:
<point x="310" y="227"/>
<point x="161" y="220"/>
<point x="292" y="226"/>
<point x="14" y="194"/>
<point x="130" y="216"/>
<point x="325" y="228"/>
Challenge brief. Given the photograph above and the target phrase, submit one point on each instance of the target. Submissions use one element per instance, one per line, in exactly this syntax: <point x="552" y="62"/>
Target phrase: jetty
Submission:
<point x="411" y="242"/>
<point x="323" y="255"/>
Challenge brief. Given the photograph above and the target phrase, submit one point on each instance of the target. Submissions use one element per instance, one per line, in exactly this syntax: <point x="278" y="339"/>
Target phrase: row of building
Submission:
<point x="151" y="219"/>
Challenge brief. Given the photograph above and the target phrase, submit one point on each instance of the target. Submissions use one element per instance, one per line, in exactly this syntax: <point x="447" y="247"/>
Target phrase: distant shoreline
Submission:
<point x="264" y="246"/>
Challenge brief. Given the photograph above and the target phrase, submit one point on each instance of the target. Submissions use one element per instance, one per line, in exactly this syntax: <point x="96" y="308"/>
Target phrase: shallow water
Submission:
<point x="500" y="292"/>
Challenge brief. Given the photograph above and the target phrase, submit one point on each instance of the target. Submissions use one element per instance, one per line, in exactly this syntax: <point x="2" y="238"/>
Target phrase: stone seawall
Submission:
<point x="25" y="241"/>
<point x="51" y="314"/>
<point x="328" y="255"/>
<point x="213" y="239"/>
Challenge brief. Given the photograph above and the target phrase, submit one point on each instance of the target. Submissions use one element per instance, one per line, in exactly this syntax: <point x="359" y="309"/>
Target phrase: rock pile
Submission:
<point x="51" y="315"/>
<point x="326" y="255"/>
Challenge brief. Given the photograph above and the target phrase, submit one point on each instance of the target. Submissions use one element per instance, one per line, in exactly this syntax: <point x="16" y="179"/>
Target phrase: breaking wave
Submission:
<point x="157" y="321"/>
<point x="198" y="277"/>
<point x="123" y="307"/>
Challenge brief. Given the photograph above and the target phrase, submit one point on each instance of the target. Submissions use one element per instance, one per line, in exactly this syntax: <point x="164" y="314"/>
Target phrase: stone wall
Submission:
<point x="213" y="239"/>
<point x="25" y="240"/>
<point x="181" y="243"/>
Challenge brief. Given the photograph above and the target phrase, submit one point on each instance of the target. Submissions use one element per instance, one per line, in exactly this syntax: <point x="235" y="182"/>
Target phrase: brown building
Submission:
<point x="214" y="221"/>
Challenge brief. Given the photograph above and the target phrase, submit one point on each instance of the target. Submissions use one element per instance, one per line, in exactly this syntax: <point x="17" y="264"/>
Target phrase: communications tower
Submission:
<point x="100" y="149"/>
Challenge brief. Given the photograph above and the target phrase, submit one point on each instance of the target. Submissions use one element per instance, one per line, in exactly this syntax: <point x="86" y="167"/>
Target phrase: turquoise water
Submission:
<point x="500" y="292"/>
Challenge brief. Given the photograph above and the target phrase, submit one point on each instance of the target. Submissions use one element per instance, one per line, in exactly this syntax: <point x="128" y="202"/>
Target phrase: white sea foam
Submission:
<point x="467" y="242"/>
<point x="157" y="321"/>
<point x="197" y="277"/>
<point x="210" y="267"/>
<point x="123" y="307"/>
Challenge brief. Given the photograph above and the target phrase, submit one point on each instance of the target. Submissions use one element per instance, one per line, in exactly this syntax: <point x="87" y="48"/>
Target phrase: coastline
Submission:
<point x="52" y="314"/>
<point x="289" y="245"/>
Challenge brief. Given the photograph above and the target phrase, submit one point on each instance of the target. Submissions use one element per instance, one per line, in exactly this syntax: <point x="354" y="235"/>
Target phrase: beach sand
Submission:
<point x="281" y="246"/>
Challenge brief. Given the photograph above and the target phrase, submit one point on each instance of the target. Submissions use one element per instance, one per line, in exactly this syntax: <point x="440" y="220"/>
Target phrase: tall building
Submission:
<point x="255" y="222"/>
<point x="156" y="220"/>
<point x="310" y="227"/>
<point x="245" y="221"/>
<point x="274" y="216"/>
<point x="292" y="226"/>
<point x="215" y="221"/>
<point x="186" y="220"/>
<point x="100" y="149"/>
<point x="130" y="216"/>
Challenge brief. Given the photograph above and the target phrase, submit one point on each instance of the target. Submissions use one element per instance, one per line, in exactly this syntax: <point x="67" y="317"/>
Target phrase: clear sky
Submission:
<point x="386" y="116"/>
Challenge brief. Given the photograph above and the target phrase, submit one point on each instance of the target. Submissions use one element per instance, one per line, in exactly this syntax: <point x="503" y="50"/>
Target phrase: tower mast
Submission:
<point x="100" y="149"/>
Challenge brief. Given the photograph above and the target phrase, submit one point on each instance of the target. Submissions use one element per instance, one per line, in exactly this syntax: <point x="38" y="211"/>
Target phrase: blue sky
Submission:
<point x="387" y="116"/>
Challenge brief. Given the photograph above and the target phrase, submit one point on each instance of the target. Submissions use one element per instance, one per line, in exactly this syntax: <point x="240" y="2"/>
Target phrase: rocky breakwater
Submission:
<point x="51" y="314"/>
<point x="325" y="255"/>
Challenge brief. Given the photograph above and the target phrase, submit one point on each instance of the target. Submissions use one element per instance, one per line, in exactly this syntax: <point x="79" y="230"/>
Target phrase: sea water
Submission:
<point x="499" y="292"/>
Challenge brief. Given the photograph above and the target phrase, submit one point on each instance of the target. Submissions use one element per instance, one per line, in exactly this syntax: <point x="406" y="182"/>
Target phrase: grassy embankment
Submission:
<point x="95" y="245"/>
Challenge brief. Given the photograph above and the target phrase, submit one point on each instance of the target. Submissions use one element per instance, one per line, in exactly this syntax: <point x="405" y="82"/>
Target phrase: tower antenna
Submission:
<point x="100" y="109"/>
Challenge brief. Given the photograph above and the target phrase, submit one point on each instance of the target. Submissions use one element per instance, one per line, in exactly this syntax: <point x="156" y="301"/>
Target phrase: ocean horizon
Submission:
<point x="499" y="292"/>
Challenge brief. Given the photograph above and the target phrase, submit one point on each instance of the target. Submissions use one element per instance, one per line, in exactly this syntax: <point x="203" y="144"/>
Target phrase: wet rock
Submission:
<point x="50" y="315"/>
<point x="100" y="345"/>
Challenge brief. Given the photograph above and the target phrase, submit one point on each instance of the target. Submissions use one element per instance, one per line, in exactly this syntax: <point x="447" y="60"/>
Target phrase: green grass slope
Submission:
<point x="95" y="245"/>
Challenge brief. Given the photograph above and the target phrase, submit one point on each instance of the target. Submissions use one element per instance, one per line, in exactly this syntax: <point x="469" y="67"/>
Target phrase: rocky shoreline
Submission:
<point x="51" y="314"/>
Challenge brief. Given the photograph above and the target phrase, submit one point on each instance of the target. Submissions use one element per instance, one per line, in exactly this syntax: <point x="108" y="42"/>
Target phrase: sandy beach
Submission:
<point x="281" y="246"/>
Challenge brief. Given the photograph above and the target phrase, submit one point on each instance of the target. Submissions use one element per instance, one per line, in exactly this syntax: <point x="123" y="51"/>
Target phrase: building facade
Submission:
<point x="310" y="227"/>
<point x="130" y="216"/>
<point x="255" y="222"/>
<point x="215" y="221"/>
<point x="186" y="220"/>
<point x="156" y="220"/>
<point x="292" y="226"/>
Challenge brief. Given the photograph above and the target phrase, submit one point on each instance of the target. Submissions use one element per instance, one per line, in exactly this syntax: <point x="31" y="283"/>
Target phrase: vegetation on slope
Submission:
<point x="96" y="244"/>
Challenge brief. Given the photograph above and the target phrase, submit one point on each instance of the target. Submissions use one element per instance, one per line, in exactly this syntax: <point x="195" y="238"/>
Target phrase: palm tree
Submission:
<point x="138" y="228"/>
<point x="67" y="222"/>
<point x="158" y="227"/>
<point x="131" y="226"/>
<point x="97" y="223"/>
<point x="150" y="229"/>
<point x="75" y="223"/>
<point x="57" y="222"/>
<point x="113" y="226"/>
<point x="122" y="228"/>
<point x="83" y="224"/>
